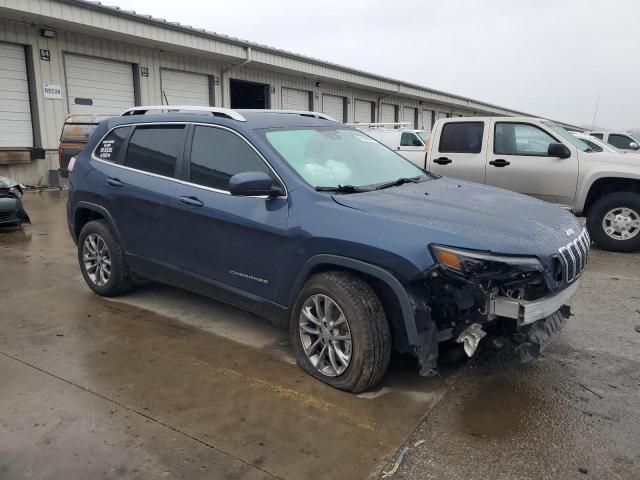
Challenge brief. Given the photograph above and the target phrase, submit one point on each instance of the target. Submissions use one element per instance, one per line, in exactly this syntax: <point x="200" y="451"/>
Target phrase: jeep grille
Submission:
<point x="574" y="256"/>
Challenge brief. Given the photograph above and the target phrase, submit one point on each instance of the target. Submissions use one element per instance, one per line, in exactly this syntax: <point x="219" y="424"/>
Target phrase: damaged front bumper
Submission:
<point x="529" y="311"/>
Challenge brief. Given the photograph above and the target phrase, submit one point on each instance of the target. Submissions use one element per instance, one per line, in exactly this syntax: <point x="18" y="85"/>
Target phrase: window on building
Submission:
<point x="155" y="149"/>
<point x="461" y="137"/>
<point x="217" y="155"/>
<point x="521" y="139"/>
<point x="110" y="148"/>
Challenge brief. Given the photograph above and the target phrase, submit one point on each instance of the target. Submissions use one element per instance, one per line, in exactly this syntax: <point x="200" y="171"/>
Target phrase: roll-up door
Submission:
<point x="333" y="106"/>
<point x="387" y="113"/>
<point x="427" y="120"/>
<point x="15" y="110"/>
<point x="363" y="111"/>
<point x="294" y="99"/>
<point x="184" y="88"/>
<point x="409" y="115"/>
<point x="97" y="86"/>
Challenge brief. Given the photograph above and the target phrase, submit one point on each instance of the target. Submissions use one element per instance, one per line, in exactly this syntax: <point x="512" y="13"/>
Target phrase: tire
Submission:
<point x="366" y="324"/>
<point x="119" y="280"/>
<point x="628" y="205"/>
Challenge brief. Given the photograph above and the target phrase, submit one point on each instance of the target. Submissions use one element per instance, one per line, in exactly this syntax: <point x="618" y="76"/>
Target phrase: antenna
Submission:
<point x="593" y="124"/>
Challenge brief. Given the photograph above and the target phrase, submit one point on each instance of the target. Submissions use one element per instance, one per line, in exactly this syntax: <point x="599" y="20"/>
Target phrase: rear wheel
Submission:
<point x="339" y="332"/>
<point x="614" y="222"/>
<point x="102" y="260"/>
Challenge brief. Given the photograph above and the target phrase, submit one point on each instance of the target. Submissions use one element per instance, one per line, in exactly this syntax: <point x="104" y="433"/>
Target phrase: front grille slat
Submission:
<point x="574" y="256"/>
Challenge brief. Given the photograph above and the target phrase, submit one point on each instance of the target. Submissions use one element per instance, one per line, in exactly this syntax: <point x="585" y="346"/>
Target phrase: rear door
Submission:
<point x="143" y="190"/>
<point x="231" y="241"/>
<point x="518" y="160"/>
<point x="459" y="150"/>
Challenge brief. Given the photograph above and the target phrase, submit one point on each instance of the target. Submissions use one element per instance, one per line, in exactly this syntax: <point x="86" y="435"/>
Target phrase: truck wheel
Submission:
<point x="339" y="332"/>
<point x="613" y="222"/>
<point x="102" y="260"/>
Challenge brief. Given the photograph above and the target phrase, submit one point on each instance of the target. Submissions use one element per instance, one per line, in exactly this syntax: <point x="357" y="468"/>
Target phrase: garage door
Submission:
<point x="409" y="115"/>
<point x="184" y="88"/>
<point x="294" y="99"/>
<point x="427" y="120"/>
<point x="333" y="106"/>
<point x="387" y="113"/>
<point x="363" y="111"/>
<point x="15" y="111"/>
<point x="98" y="86"/>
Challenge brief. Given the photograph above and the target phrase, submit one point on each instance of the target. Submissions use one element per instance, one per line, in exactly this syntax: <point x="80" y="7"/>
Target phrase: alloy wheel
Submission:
<point x="325" y="335"/>
<point x="621" y="223"/>
<point x="97" y="259"/>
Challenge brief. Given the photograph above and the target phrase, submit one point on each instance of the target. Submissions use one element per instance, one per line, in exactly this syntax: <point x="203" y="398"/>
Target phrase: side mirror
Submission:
<point x="253" y="184"/>
<point x="634" y="146"/>
<point x="559" y="150"/>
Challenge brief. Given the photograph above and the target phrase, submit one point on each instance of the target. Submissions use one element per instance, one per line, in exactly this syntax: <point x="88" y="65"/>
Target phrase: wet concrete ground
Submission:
<point x="165" y="384"/>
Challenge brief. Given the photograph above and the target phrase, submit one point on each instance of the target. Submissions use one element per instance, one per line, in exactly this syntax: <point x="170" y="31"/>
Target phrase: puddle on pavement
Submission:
<point x="499" y="408"/>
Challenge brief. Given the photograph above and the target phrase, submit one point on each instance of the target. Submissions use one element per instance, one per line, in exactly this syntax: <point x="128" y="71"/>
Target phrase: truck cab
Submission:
<point x="540" y="158"/>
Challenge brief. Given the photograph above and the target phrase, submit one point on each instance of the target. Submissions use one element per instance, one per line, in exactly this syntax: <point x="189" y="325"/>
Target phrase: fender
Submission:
<point x="619" y="171"/>
<point x="368" y="269"/>
<point x="98" y="209"/>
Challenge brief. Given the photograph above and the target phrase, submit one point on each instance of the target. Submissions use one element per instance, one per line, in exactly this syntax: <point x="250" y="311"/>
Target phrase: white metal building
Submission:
<point x="61" y="57"/>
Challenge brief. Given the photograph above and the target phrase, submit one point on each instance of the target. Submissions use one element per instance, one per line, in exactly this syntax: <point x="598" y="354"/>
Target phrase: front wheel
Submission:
<point x="339" y="332"/>
<point x="614" y="222"/>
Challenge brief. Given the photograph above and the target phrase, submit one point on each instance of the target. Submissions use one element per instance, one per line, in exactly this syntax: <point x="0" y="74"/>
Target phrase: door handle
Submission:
<point x="191" y="201"/>
<point x="499" y="163"/>
<point x="113" y="182"/>
<point x="443" y="160"/>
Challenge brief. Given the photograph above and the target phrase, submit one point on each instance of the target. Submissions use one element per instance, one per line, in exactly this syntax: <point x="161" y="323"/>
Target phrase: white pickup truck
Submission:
<point x="539" y="158"/>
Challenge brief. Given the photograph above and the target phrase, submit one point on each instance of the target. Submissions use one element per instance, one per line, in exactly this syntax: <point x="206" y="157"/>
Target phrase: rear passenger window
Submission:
<point x="217" y="155"/>
<point x="461" y="137"/>
<point x="155" y="149"/>
<point x="110" y="148"/>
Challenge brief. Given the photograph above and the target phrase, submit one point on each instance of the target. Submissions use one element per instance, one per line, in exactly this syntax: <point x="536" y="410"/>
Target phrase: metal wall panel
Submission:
<point x="184" y="88"/>
<point x="106" y="85"/>
<point x="15" y="108"/>
<point x="294" y="99"/>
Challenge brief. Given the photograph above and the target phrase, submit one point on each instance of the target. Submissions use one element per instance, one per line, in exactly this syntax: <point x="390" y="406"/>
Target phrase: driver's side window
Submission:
<point x="512" y="138"/>
<point x="410" y="139"/>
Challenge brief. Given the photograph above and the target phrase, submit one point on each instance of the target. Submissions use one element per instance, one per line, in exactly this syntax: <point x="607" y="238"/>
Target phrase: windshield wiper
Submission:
<point x="343" y="189"/>
<point x="399" y="181"/>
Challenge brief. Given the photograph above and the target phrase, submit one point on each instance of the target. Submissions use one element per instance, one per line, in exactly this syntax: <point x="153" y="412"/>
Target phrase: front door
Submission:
<point x="235" y="242"/>
<point x="459" y="152"/>
<point x="518" y="160"/>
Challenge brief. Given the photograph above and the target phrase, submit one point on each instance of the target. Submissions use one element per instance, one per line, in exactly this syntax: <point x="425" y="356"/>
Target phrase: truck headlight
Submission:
<point x="472" y="262"/>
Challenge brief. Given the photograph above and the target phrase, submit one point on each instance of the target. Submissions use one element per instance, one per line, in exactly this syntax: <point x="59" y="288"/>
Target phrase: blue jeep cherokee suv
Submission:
<point x="313" y="224"/>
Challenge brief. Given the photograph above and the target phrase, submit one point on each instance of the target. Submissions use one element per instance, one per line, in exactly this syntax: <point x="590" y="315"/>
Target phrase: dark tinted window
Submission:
<point x="619" y="141"/>
<point x="155" y="149"/>
<point x="597" y="135"/>
<point x="217" y="155"/>
<point x="110" y="148"/>
<point x="461" y="137"/>
<point x="521" y="139"/>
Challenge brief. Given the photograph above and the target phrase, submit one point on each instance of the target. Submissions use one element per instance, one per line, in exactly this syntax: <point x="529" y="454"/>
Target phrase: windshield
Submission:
<point x="329" y="157"/>
<point x="569" y="137"/>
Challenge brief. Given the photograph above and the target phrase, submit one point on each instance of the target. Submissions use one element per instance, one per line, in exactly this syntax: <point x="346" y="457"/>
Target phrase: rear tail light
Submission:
<point x="72" y="162"/>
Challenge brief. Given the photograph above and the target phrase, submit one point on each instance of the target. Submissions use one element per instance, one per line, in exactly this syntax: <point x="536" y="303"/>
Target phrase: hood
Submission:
<point x="473" y="216"/>
<point x="630" y="159"/>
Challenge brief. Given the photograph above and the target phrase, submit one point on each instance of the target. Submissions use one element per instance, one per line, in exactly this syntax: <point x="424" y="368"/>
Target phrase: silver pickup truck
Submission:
<point x="539" y="158"/>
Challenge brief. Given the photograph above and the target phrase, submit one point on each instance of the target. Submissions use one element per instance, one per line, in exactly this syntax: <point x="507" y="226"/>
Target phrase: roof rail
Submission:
<point x="304" y="113"/>
<point x="380" y="124"/>
<point x="224" y="112"/>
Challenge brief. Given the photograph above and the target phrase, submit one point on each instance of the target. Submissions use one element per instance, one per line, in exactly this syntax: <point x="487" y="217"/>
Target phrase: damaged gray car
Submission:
<point x="12" y="212"/>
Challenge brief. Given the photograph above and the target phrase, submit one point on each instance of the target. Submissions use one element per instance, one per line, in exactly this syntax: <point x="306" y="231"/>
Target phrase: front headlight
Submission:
<point x="471" y="262"/>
